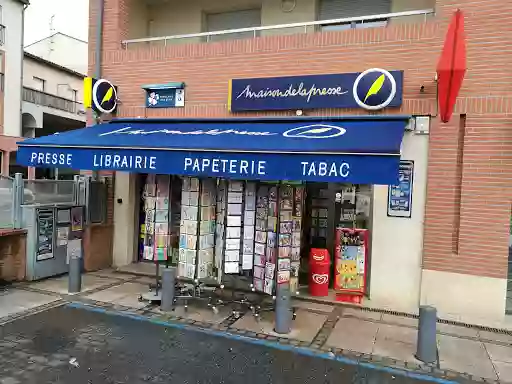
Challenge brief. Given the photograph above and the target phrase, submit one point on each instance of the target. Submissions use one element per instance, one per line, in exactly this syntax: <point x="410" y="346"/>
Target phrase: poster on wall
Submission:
<point x="76" y="219"/>
<point x="400" y="195"/>
<point x="45" y="222"/>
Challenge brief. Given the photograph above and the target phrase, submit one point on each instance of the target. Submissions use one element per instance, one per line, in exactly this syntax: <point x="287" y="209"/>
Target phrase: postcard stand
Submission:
<point x="196" y="264"/>
<point x="273" y="242"/>
<point x="237" y="248"/>
<point x="157" y="229"/>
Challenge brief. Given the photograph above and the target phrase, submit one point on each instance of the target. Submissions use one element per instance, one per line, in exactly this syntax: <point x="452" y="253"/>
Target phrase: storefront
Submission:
<point x="305" y="177"/>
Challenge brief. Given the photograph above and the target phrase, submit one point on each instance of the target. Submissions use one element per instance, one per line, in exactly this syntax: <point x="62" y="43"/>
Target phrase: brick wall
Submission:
<point x="13" y="255"/>
<point x="468" y="198"/>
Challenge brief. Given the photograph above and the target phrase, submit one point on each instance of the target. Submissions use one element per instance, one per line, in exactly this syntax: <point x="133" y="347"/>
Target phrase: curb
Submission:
<point x="412" y="371"/>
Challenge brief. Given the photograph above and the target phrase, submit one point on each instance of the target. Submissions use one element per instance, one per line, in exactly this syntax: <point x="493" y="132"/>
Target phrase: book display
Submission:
<point x="277" y="237"/>
<point x="161" y="218"/>
<point x="286" y="203"/>
<point x="249" y="225"/>
<point x="149" y="196"/>
<point x="189" y="228"/>
<point x="272" y="241"/>
<point x="233" y="232"/>
<point x="298" y="206"/>
<point x="220" y="228"/>
<point x="208" y="203"/>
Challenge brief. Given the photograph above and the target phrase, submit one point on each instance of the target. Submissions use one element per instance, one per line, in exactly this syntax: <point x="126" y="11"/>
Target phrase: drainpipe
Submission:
<point x="98" y="53"/>
<point x="21" y="66"/>
<point x="30" y="170"/>
<point x="99" y="38"/>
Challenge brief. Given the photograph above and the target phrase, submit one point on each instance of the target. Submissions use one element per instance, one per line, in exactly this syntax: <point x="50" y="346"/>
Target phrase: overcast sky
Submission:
<point x="71" y="18"/>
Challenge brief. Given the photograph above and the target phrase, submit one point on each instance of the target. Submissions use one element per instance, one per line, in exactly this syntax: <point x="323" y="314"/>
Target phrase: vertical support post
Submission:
<point x="427" y="341"/>
<point x="283" y="309"/>
<point x="6" y="157"/>
<point x="87" y="198"/>
<point x="17" y="200"/>
<point x="168" y="288"/>
<point x="75" y="274"/>
<point x="31" y="173"/>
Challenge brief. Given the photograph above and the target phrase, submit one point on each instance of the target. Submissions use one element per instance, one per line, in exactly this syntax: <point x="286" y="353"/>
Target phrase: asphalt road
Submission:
<point x="112" y="349"/>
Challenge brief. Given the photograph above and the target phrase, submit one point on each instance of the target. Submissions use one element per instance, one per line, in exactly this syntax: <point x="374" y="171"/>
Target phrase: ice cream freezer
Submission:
<point x="53" y="233"/>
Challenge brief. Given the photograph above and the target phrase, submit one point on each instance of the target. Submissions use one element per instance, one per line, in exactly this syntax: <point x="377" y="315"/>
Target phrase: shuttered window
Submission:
<point x="233" y="20"/>
<point x="340" y="9"/>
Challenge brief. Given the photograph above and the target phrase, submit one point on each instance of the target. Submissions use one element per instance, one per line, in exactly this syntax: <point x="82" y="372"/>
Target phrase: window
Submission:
<point x="233" y="20"/>
<point x="39" y="84"/>
<point x="2" y="27"/>
<point x="341" y="9"/>
<point x="74" y="94"/>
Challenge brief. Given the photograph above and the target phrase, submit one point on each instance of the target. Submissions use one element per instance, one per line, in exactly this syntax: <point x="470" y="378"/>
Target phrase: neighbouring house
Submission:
<point x="11" y="58"/>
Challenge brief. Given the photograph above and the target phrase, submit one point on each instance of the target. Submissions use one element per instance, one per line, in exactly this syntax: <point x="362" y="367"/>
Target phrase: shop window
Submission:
<point x="97" y="202"/>
<point x="212" y="228"/>
<point x="233" y="20"/>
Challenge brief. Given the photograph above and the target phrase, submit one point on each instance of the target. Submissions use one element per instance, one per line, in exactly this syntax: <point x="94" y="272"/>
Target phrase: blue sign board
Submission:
<point x="400" y="194"/>
<point x="373" y="89"/>
<point x="164" y="96"/>
<point x="357" y="150"/>
<point x="357" y="169"/>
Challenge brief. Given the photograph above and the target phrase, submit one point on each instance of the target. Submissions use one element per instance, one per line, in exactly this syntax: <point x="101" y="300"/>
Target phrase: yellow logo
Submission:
<point x="376" y="87"/>
<point x="105" y="91"/>
<point x="108" y="95"/>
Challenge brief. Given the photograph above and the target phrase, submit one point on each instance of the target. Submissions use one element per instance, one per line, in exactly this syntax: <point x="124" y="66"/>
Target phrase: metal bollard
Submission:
<point x="427" y="341"/>
<point x="168" y="288"/>
<point x="283" y="320"/>
<point x="75" y="275"/>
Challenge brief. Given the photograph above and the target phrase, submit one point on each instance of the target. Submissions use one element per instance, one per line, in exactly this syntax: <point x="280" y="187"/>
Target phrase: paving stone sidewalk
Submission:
<point x="384" y="338"/>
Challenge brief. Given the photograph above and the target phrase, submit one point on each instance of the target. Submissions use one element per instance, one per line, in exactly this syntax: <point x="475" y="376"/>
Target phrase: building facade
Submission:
<point x="64" y="50"/>
<point x="11" y="57"/>
<point x="52" y="101"/>
<point x="453" y="252"/>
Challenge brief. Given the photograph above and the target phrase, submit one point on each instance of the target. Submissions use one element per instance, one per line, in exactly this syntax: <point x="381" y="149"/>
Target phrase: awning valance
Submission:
<point x="364" y="150"/>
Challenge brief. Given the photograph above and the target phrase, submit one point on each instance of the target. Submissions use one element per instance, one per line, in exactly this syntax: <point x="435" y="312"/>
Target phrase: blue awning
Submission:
<point x="362" y="150"/>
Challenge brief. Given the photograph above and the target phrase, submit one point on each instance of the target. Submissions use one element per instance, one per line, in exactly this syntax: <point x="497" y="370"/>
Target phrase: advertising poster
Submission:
<point x="45" y="234"/>
<point x="351" y="255"/>
<point x="400" y="195"/>
<point x="77" y="218"/>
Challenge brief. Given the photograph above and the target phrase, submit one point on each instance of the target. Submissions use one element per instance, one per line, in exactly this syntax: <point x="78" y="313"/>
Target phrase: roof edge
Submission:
<point x="54" y="65"/>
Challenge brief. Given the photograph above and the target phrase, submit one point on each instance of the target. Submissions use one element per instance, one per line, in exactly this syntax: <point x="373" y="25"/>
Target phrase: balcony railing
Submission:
<point x="2" y="34"/>
<point x="305" y="27"/>
<point x="52" y="101"/>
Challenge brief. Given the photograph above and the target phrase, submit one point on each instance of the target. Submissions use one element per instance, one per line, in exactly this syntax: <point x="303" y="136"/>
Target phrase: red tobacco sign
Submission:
<point x="451" y="67"/>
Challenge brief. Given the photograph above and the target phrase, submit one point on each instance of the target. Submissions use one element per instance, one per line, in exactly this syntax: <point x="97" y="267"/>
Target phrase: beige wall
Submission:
<point x="177" y="17"/>
<point x="467" y="298"/>
<point x="125" y="213"/>
<point x="397" y="243"/>
<point x="53" y="78"/>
